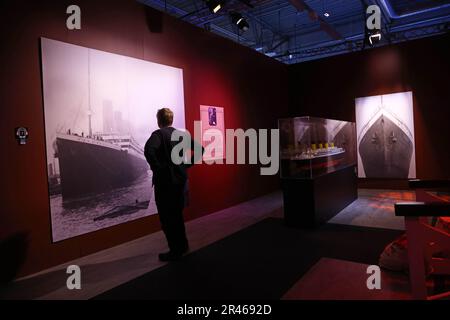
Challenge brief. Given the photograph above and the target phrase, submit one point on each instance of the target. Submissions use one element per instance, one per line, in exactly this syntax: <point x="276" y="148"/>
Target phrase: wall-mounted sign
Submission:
<point x="212" y="120"/>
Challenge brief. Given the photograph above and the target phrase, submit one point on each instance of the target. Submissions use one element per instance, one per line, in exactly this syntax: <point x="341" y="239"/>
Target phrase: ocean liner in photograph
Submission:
<point x="100" y="109"/>
<point x="97" y="163"/>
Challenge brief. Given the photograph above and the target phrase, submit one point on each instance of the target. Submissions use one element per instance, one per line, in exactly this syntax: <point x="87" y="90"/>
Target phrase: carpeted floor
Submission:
<point x="260" y="262"/>
<point x="375" y="208"/>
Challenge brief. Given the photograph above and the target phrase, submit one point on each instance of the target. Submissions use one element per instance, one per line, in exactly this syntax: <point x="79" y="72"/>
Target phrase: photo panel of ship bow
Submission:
<point x="100" y="109"/>
<point x="385" y="136"/>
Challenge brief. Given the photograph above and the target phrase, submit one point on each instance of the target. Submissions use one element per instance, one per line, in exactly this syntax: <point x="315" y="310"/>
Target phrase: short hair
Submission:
<point x="165" y="117"/>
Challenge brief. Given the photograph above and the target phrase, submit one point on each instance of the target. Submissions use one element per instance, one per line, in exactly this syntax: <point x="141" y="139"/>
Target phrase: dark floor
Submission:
<point x="260" y="262"/>
<point x="233" y="255"/>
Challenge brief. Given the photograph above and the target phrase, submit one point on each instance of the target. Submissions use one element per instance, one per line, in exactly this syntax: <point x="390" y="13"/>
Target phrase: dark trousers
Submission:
<point x="170" y="203"/>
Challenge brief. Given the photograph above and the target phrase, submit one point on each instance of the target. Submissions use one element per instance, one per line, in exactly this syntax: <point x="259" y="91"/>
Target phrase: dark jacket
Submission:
<point x="158" y="150"/>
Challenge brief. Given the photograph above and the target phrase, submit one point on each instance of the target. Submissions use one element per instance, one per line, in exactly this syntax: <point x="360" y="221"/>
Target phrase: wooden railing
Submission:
<point x="424" y="239"/>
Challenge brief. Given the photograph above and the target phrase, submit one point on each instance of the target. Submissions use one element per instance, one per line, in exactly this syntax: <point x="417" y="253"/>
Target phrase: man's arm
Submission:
<point x="195" y="157"/>
<point x="152" y="145"/>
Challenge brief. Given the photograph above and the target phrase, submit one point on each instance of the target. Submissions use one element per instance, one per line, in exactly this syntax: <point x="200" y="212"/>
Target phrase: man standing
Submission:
<point x="170" y="181"/>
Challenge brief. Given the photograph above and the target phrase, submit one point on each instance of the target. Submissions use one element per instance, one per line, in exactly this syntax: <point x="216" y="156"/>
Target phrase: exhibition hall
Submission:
<point x="265" y="152"/>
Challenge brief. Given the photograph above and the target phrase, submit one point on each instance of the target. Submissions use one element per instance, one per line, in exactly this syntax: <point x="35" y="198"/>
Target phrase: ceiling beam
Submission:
<point x="301" y="6"/>
<point x="163" y="5"/>
<point x="279" y="44"/>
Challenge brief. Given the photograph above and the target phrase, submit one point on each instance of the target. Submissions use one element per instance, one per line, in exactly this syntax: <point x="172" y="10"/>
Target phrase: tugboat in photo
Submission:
<point x="386" y="146"/>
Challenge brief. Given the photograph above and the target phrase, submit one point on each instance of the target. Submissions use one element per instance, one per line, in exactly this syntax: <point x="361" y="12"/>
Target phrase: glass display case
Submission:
<point x="311" y="147"/>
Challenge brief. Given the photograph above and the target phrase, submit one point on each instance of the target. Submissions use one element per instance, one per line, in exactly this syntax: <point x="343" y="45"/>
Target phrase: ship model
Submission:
<point x="316" y="148"/>
<point x="94" y="163"/>
<point x="385" y="146"/>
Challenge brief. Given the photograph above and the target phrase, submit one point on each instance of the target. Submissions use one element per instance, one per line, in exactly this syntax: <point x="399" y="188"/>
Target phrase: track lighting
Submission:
<point x="374" y="37"/>
<point x="240" y="21"/>
<point x="215" y="5"/>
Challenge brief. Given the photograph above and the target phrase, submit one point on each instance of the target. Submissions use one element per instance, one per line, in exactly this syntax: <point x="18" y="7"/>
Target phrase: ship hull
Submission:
<point x="386" y="150"/>
<point x="87" y="168"/>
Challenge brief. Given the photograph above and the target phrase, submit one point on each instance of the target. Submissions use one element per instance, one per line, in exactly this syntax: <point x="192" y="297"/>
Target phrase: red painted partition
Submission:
<point x="251" y="87"/>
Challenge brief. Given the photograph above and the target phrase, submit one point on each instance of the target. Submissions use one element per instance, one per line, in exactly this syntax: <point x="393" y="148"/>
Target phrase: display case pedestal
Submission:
<point x="311" y="202"/>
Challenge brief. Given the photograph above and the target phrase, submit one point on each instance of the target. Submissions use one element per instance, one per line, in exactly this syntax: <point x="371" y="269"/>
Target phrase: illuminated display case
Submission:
<point x="310" y="147"/>
<point x="318" y="163"/>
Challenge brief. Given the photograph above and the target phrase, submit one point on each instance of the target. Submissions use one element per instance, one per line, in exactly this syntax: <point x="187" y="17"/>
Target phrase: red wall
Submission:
<point x="327" y="88"/>
<point x="252" y="89"/>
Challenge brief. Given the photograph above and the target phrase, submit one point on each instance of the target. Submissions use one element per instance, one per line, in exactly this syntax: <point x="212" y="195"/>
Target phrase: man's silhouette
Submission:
<point x="170" y="182"/>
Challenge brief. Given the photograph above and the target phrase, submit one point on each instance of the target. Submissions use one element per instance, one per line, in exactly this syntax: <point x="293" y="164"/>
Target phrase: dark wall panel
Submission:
<point x="327" y="88"/>
<point x="252" y="89"/>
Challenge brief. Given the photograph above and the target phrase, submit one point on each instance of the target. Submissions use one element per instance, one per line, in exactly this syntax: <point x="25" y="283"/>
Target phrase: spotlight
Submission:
<point x="240" y="21"/>
<point x="326" y="14"/>
<point x="215" y="5"/>
<point x="374" y="37"/>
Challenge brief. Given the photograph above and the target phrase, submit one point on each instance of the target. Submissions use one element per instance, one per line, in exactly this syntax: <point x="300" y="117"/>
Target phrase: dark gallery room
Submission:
<point x="242" y="155"/>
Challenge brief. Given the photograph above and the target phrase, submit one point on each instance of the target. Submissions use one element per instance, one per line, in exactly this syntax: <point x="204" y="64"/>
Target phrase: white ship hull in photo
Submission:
<point x="89" y="165"/>
<point x="385" y="129"/>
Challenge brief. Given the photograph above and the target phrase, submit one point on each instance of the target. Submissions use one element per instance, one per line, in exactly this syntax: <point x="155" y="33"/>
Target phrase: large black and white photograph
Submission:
<point x="385" y="135"/>
<point x="100" y="108"/>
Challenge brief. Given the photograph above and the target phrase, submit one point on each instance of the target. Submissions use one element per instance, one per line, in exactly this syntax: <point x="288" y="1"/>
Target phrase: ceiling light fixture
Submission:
<point x="215" y="5"/>
<point x="374" y="37"/>
<point x="240" y="21"/>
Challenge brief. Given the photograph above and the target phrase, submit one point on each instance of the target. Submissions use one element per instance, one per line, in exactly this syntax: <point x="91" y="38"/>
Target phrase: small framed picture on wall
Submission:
<point x="213" y="132"/>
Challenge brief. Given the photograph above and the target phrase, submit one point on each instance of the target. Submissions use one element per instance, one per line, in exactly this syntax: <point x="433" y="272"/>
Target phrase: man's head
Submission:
<point x="165" y="117"/>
